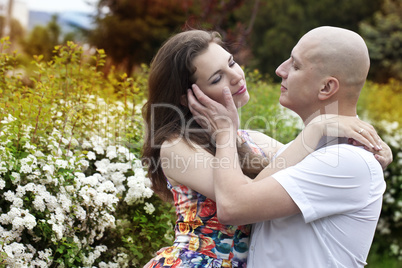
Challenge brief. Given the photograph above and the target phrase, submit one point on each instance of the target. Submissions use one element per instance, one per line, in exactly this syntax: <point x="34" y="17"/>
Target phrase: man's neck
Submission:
<point x="307" y="119"/>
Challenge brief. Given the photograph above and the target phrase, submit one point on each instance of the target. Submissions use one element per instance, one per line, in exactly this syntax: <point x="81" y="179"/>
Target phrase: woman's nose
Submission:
<point x="236" y="77"/>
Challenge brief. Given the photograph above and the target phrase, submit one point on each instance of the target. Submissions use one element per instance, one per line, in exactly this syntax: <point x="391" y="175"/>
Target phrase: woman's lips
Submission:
<point x="241" y="91"/>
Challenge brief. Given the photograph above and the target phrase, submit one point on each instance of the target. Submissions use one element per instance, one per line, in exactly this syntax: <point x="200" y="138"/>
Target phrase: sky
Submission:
<point x="60" y="5"/>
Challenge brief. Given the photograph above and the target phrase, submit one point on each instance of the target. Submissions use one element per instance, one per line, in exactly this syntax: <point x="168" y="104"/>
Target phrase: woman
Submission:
<point x="179" y="153"/>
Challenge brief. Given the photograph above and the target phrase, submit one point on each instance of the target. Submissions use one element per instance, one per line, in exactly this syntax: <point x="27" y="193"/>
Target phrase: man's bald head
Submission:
<point x="340" y="53"/>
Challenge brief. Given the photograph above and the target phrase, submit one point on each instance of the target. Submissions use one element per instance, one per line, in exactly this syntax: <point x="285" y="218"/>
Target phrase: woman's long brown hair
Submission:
<point x="171" y="74"/>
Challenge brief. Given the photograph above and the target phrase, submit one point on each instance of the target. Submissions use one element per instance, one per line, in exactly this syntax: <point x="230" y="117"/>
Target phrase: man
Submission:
<point x="321" y="211"/>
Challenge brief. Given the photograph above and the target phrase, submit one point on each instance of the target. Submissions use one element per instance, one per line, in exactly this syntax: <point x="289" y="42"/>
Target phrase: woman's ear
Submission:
<point x="183" y="100"/>
<point x="330" y="87"/>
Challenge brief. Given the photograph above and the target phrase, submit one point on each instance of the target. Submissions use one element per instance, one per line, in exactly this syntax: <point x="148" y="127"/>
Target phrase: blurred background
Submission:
<point x="260" y="33"/>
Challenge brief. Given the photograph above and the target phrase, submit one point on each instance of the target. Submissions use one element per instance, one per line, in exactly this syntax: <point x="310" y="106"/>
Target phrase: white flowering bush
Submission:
<point x="389" y="229"/>
<point x="73" y="192"/>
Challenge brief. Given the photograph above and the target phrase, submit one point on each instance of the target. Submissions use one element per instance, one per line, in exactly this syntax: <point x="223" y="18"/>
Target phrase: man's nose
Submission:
<point x="281" y="71"/>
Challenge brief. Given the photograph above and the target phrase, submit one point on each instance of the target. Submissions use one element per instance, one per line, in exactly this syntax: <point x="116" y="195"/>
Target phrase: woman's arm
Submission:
<point x="267" y="144"/>
<point x="192" y="167"/>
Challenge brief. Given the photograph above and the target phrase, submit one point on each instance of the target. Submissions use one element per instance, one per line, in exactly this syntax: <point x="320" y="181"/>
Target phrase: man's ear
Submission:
<point x="330" y="87"/>
<point x="183" y="100"/>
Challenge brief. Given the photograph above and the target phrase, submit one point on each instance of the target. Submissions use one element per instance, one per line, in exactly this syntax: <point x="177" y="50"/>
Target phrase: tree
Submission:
<point x="384" y="40"/>
<point x="42" y="40"/>
<point x="280" y="23"/>
<point x="16" y="30"/>
<point x="132" y="31"/>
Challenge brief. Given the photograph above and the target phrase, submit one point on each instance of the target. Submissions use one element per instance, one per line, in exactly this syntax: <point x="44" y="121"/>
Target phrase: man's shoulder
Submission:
<point x="352" y="158"/>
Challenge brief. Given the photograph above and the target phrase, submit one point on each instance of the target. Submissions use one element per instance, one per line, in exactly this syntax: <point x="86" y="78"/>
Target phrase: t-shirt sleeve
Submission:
<point x="332" y="180"/>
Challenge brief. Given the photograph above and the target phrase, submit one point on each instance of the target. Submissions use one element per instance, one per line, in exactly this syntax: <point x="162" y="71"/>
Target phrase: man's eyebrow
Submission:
<point x="294" y="59"/>
<point x="230" y="59"/>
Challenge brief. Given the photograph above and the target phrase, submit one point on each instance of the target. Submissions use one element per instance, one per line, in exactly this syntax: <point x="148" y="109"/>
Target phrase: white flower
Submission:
<point x="9" y="196"/>
<point x="122" y="150"/>
<point x="26" y="169"/>
<point x="39" y="204"/>
<point x="29" y="221"/>
<point x="86" y="145"/>
<point x="102" y="165"/>
<point x="65" y="141"/>
<point x="61" y="163"/>
<point x="8" y="119"/>
<point x="99" y="149"/>
<point x="91" y="155"/>
<point x="149" y="208"/>
<point x="48" y="168"/>
<point x="84" y="163"/>
<point x="2" y="184"/>
<point x="28" y="146"/>
<point x="90" y="180"/>
<point x="17" y="202"/>
<point x="58" y="230"/>
<point x="3" y="169"/>
<point x="80" y="213"/>
<point x="18" y="223"/>
<point x="14" y="248"/>
<point x="39" y="154"/>
<point x="111" y="152"/>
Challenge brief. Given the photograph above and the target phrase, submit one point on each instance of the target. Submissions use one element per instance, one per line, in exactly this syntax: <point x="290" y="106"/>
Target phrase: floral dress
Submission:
<point x="201" y="241"/>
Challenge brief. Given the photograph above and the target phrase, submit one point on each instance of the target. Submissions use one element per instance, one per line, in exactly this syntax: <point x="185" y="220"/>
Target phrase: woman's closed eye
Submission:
<point x="231" y="64"/>
<point x="217" y="79"/>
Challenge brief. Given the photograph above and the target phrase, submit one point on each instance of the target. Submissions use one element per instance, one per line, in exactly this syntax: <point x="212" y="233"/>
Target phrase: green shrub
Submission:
<point x="264" y="113"/>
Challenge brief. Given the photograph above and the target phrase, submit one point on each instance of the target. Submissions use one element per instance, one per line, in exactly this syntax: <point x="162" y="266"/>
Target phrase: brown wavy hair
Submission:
<point x="171" y="74"/>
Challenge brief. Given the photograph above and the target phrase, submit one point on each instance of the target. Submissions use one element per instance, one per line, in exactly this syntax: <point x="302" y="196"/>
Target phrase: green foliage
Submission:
<point x="42" y="40"/>
<point x="280" y="23"/>
<point x="131" y="31"/>
<point x="139" y="234"/>
<point x="264" y="113"/>
<point x="384" y="40"/>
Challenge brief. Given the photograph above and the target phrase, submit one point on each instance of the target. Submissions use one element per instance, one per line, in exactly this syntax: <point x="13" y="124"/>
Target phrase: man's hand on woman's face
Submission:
<point x="211" y="115"/>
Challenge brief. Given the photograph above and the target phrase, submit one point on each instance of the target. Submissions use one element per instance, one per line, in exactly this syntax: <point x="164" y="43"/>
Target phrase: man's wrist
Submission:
<point x="226" y="138"/>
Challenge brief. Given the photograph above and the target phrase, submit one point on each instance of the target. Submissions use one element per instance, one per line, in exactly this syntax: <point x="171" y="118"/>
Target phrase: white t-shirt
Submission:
<point x="338" y="189"/>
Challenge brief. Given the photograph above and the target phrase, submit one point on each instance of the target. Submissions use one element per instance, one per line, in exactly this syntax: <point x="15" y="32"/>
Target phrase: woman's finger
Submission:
<point x="383" y="161"/>
<point x="201" y="97"/>
<point x="367" y="136"/>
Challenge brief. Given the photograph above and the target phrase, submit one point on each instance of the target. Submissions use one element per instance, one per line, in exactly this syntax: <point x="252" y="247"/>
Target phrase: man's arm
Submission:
<point x="241" y="202"/>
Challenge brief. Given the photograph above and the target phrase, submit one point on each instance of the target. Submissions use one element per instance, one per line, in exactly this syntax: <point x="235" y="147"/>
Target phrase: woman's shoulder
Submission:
<point x="180" y="145"/>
